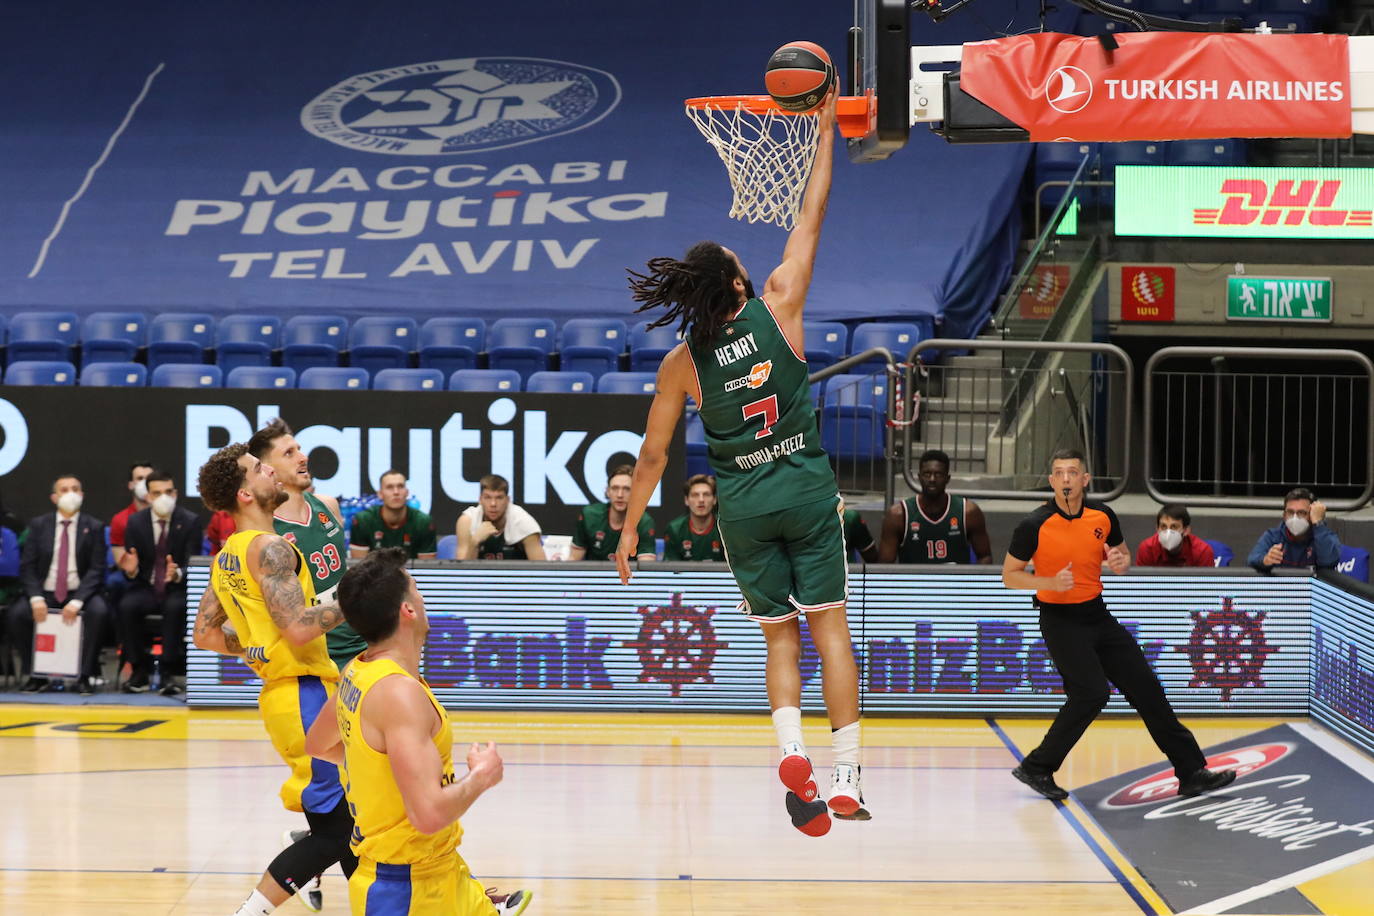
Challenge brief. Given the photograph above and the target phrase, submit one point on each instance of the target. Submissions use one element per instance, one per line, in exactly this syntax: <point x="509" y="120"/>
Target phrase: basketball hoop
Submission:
<point x="768" y="152"/>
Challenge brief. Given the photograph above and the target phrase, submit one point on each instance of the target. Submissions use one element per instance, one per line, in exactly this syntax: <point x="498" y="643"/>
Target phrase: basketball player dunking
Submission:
<point x="779" y="512"/>
<point x="261" y="606"/>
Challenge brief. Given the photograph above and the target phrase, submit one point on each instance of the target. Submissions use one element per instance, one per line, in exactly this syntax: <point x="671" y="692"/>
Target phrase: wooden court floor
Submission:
<point x="116" y="810"/>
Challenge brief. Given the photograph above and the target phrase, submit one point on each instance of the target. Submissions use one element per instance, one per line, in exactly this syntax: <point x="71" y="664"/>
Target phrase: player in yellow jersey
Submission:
<point x="261" y="606"/>
<point x="394" y="742"/>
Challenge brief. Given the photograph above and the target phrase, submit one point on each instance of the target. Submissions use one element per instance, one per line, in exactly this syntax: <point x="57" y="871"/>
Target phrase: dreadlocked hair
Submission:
<point x="698" y="291"/>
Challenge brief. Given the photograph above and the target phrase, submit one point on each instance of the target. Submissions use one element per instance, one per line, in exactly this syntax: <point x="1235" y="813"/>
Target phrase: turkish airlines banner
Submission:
<point x="1164" y="85"/>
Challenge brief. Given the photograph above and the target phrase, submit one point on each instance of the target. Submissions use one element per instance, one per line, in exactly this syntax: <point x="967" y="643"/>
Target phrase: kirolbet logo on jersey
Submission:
<point x="755" y="379"/>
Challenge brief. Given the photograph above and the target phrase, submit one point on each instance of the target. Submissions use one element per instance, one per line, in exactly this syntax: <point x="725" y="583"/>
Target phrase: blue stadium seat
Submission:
<point x="827" y="342"/>
<point x="114" y="375"/>
<point x="1174" y="8"/>
<point x="448" y="547"/>
<point x="1058" y="162"/>
<point x="377" y="343"/>
<point x="333" y="378"/>
<point x="40" y="372"/>
<point x="561" y="382"/>
<point x="1089" y="25"/>
<point x="1310" y="8"/>
<point x="484" y="380"/>
<point x="1280" y="22"/>
<point x="521" y="344"/>
<point x="897" y="336"/>
<point x="310" y="341"/>
<point x="260" y="377"/>
<point x="1205" y="152"/>
<point x="112" y="337"/>
<point x="627" y="383"/>
<point x="1216" y="9"/>
<point x="1354" y="562"/>
<point x="408" y="380"/>
<point x="592" y="345"/>
<point x="176" y="338"/>
<point x="9" y="558"/>
<point x="648" y="347"/>
<point x="4" y="331"/>
<point x="1222" y="555"/>
<point x="854" y="416"/>
<point x="186" y="375"/>
<point x="42" y="336"/>
<point x="450" y="344"/>
<point x="246" y="340"/>
<point x="697" y="462"/>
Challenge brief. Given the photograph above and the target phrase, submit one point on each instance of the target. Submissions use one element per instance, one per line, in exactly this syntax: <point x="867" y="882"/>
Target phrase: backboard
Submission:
<point x="880" y="63"/>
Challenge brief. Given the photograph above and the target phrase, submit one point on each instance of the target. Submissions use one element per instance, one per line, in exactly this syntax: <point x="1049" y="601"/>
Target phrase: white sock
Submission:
<point x="845" y="742"/>
<point x="255" y="905"/>
<point x="787" y="723"/>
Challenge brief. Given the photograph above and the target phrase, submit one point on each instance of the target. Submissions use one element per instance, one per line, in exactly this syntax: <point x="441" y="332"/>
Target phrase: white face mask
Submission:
<point x="69" y="502"/>
<point x="141" y="491"/>
<point x="1297" y="525"/>
<point x="164" y="504"/>
<point x="1169" y="539"/>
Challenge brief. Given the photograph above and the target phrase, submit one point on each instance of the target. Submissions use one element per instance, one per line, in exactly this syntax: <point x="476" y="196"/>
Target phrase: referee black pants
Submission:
<point x="1092" y="650"/>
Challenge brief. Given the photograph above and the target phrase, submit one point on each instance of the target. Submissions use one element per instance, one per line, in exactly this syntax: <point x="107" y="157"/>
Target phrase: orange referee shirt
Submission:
<point x="1051" y="540"/>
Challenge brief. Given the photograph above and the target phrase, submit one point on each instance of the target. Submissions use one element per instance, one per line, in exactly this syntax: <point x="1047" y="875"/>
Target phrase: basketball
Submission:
<point x="799" y="75"/>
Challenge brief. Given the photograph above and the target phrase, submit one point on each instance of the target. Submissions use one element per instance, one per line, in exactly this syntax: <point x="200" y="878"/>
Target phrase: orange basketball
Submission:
<point x="798" y="76"/>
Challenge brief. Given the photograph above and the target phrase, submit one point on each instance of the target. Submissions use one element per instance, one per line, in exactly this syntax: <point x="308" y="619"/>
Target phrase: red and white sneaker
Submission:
<point x="795" y="772"/>
<point x="846" y="797"/>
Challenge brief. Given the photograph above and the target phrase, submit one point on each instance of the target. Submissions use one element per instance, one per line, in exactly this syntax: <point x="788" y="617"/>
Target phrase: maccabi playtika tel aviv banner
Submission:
<point x="434" y="157"/>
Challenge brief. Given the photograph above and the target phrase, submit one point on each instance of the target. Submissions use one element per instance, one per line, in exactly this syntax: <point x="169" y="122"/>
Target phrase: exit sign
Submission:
<point x="1278" y="299"/>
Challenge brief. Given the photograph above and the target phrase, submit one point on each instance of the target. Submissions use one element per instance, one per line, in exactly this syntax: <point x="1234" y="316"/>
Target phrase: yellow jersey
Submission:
<point x="268" y="653"/>
<point x="381" y="831"/>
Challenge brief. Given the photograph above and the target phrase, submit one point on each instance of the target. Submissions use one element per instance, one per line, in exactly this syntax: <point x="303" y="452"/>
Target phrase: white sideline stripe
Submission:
<point x="1273" y="886"/>
<point x="1336" y="748"/>
<point x="90" y="173"/>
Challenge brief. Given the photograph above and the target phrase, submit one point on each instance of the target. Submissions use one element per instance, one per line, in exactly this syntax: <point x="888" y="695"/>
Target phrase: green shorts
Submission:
<point x="790" y="561"/>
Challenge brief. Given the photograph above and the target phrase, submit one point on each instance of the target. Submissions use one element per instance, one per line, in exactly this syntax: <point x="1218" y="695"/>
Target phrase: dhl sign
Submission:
<point x="1224" y="202"/>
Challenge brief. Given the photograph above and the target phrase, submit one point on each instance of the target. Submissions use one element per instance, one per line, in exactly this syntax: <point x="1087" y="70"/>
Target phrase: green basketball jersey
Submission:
<point x="939" y="540"/>
<point x="595" y="534"/>
<point x="680" y="542"/>
<point x="324" y="544"/>
<point x="760" y="425"/>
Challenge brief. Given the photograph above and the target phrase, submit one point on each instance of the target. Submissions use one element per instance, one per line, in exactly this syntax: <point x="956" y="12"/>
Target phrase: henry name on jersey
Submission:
<point x="736" y="350"/>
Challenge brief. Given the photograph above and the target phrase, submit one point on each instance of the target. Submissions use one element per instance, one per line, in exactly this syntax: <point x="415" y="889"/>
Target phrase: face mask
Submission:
<point x="69" y="502"/>
<point x="164" y="504"/>
<point x="1169" y="539"/>
<point x="141" y="491"/>
<point x="1297" y="525"/>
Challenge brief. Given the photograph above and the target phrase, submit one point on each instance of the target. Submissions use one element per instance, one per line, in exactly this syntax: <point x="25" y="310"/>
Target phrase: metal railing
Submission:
<point x="1002" y="422"/>
<point x="855" y="432"/>
<point x="1235" y="426"/>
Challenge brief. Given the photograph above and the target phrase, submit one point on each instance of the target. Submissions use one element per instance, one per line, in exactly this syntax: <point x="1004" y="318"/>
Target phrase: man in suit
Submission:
<point x="62" y="568"/>
<point x="158" y="541"/>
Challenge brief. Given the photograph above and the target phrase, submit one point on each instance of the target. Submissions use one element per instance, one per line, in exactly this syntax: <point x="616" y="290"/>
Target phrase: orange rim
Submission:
<point x="853" y="113"/>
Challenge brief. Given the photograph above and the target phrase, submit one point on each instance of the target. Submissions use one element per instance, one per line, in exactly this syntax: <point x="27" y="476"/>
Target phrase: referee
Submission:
<point x="1067" y="540"/>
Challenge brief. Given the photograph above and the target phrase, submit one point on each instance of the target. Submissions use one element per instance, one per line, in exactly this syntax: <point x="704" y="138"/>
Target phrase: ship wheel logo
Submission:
<point x="677" y="645"/>
<point x="1227" y="649"/>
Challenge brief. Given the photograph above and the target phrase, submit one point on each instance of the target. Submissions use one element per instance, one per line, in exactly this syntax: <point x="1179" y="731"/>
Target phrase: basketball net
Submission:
<point x="768" y="155"/>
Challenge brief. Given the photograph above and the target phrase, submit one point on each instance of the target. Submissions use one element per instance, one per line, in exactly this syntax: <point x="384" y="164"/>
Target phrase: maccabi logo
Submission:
<point x="464" y="105"/>
<point x="1069" y="90"/>
<point x="1250" y="201"/>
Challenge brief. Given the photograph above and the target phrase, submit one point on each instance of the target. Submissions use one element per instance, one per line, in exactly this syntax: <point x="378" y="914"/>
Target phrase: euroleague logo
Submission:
<point x="463" y="105"/>
<point x="1069" y="90"/>
<point x="1164" y="784"/>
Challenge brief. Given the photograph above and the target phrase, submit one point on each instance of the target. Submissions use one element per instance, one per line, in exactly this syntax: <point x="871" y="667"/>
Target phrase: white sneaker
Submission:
<point x="795" y="772"/>
<point x="311" y="895"/>
<point x="846" y="796"/>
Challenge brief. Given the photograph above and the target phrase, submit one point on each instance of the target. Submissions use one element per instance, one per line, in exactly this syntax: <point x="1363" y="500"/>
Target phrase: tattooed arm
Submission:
<point x="210" y="633"/>
<point x="275" y="570"/>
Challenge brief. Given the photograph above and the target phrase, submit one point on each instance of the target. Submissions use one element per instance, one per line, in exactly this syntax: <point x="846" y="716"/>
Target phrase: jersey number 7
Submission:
<point x="766" y="408"/>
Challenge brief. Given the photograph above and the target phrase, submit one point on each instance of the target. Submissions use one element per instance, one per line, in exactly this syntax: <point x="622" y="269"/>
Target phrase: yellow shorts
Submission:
<point x="288" y="706"/>
<point x="443" y="887"/>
